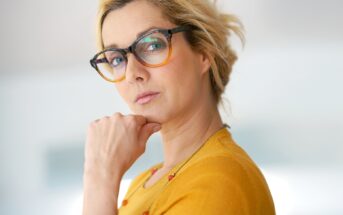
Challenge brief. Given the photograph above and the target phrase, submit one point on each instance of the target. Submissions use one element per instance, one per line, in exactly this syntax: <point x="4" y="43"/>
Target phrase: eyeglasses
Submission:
<point x="152" y="50"/>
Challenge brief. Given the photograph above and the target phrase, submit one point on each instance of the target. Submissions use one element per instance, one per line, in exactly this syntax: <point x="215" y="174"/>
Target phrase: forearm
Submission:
<point x="100" y="194"/>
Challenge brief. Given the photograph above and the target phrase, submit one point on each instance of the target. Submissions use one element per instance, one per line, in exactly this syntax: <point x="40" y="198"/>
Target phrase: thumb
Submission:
<point x="148" y="129"/>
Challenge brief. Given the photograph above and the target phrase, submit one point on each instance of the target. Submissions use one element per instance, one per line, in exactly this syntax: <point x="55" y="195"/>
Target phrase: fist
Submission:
<point x="114" y="143"/>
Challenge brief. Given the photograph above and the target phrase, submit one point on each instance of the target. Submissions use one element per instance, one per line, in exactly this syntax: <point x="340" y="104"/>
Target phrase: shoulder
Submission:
<point x="223" y="179"/>
<point x="224" y="169"/>
<point x="222" y="156"/>
<point x="230" y="175"/>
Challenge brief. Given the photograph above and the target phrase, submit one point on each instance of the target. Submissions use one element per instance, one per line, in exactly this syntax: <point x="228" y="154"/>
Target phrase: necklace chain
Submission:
<point x="170" y="176"/>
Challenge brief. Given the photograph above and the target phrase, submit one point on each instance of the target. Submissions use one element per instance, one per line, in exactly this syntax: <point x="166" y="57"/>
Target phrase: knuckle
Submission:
<point x="117" y="115"/>
<point x="95" y="121"/>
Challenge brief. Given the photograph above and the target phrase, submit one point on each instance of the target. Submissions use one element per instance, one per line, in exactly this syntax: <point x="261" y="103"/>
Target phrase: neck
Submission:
<point x="183" y="136"/>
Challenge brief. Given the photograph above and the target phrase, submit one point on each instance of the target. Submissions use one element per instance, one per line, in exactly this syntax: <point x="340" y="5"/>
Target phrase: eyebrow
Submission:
<point x="113" y="45"/>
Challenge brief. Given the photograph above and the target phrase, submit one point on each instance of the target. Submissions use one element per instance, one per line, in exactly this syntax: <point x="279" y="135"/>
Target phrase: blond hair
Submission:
<point x="210" y="34"/>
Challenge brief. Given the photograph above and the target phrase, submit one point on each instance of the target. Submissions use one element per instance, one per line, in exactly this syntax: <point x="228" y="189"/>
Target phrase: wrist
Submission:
<point x="100" y="194"/>
<point x="102" y="185"/>
<point x="94" y="171"/>
<point x="101" y="177"/>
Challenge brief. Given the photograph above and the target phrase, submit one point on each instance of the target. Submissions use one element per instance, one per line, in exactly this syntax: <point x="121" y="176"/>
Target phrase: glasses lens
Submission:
<point x="153" y="49"/>
<point x="112" y="65"/>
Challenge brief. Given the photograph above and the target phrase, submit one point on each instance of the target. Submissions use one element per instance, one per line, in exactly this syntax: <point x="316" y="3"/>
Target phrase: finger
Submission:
<point x="103" y="118"/>
<point x="147" y="130"/>
<point x="140" y="120"/>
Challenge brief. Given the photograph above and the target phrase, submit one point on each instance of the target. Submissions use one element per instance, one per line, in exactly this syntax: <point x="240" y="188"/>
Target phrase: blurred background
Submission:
<point x="285" y="102"/>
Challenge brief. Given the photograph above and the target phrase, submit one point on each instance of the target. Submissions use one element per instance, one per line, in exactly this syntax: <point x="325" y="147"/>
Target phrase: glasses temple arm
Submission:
<point x="179" y="29"/>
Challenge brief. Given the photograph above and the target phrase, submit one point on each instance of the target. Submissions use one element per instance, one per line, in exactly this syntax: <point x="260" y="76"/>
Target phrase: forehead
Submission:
<point x="122" y="26"/>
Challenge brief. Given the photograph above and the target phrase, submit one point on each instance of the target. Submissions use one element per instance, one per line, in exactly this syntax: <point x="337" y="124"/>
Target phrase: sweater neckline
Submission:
<point x="164" y="178"/>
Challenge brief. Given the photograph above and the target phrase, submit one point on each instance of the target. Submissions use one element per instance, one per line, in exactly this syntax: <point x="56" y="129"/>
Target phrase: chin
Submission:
<point x="152" y="115"/>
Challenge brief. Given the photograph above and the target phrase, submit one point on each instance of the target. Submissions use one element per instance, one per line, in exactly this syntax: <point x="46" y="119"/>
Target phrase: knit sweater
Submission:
<point x="220" y="178"/>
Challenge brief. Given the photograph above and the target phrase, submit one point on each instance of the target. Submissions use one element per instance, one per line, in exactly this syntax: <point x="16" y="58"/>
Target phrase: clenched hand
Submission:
<point x="114" y="143"/>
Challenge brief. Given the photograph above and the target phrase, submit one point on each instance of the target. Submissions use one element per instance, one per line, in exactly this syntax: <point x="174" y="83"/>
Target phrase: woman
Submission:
<point x="172" y="76"/>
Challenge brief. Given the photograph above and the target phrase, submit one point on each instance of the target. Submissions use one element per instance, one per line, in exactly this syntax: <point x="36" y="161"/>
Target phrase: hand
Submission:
<point x="114" y="143"/>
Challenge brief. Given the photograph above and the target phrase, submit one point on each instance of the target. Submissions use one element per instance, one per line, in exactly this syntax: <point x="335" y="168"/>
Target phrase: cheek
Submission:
<point x="123" y="92"/>
<point x="184" y="67"/>
<point x="181" y="81"/>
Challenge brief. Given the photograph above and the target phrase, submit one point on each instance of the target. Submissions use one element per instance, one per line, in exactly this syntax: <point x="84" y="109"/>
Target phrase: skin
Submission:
<point x="185" y="111"/>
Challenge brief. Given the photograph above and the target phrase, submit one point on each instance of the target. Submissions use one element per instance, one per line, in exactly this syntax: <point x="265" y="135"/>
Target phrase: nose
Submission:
<point x="135" y="71"/>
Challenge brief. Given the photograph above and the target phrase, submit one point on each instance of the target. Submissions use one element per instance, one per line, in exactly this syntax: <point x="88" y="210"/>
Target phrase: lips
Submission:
<point x="146" y="97"/>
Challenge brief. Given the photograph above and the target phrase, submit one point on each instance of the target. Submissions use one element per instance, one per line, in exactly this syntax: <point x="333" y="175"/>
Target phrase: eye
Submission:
<point x="152" y="44"/>
<point x="116" y="61"/>
<point x="155" y="46"/>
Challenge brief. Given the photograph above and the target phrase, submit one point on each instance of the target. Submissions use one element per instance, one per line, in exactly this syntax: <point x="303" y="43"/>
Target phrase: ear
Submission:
<point x="205" y="63"/>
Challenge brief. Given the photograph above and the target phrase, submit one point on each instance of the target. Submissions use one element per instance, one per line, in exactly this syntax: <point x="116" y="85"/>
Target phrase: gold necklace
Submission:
<point x="170" y="176"/>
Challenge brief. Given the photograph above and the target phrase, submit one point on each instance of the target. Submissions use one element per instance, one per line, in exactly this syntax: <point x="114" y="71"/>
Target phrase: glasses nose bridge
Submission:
<point x="128" y="50"/>
<point x="136" y="64"/>
<point x="131" y="50"/>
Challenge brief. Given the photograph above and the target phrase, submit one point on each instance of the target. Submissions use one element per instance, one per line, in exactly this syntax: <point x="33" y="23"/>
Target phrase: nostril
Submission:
<point x="139" y="79"/>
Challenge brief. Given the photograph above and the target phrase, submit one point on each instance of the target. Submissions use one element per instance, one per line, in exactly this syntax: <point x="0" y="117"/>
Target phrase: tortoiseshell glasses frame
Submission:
<point x="114" y="60"/>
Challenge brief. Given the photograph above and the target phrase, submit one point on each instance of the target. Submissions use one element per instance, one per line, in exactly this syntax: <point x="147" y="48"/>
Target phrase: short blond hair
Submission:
<point x="210" y="35"/>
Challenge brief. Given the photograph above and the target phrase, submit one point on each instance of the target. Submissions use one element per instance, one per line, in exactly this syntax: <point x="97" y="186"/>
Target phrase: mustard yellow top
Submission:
<point x="220" y="178"/>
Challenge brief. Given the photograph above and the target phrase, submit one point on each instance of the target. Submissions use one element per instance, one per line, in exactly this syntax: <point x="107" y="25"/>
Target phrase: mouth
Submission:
<point x="146" y="97"/>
